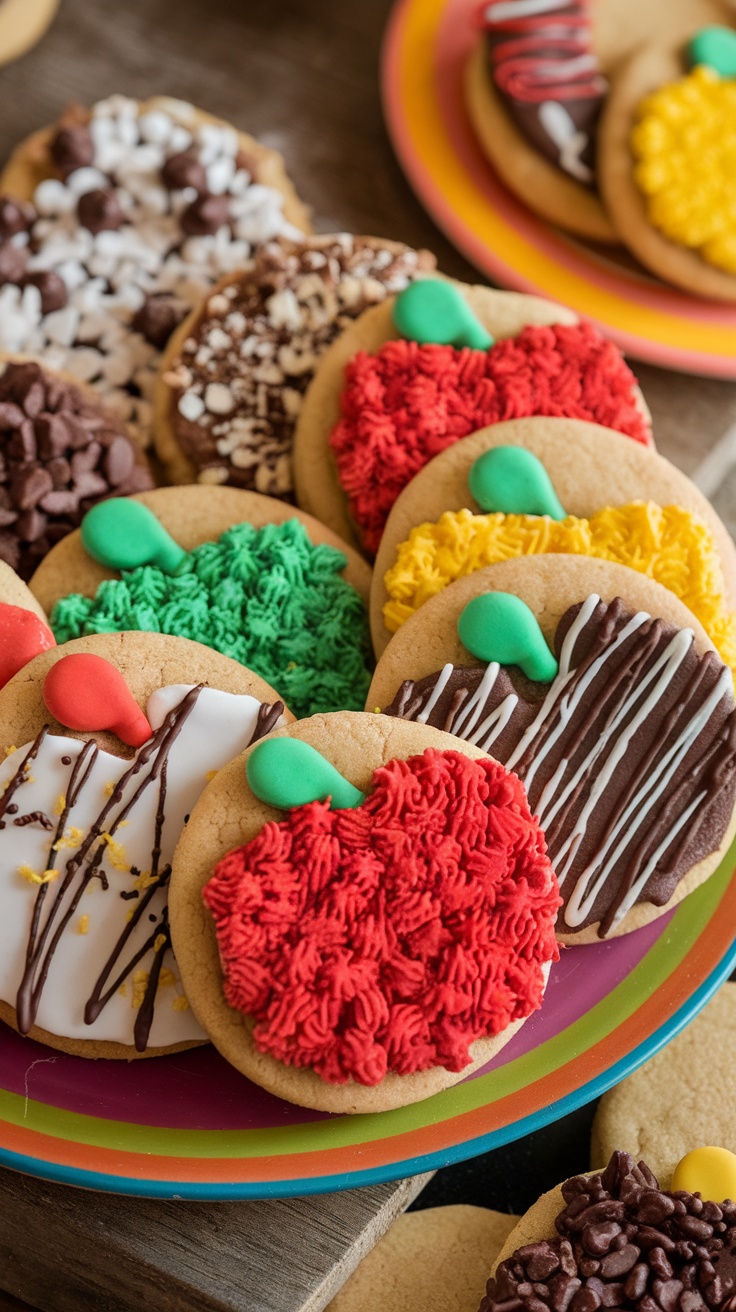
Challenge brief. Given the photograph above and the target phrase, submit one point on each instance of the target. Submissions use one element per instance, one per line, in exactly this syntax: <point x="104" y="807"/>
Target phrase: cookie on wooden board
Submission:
<point x="480" y="501"/>
<point x="122" y="217"/>
<point x="635" y="818"/>
<point x="246" y="574"/>
<point x="665" y="163"/>
<point x="327" y="1026"/>
<point x="537" y="82"/>
<point x="383" y="401"/>
<point x="618" y="1236"/>
<point x="437" y="1260"/>
<point x="233" y="374"/>
<point x="109" y="740"/>
<point x="680" y="1099"/>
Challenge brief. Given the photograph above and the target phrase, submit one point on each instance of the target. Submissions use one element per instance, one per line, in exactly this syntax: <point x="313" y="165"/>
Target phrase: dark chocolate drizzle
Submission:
<point x="86" y="864"/>
<point x="545" y="70"/>
<point x="702" y="772"/>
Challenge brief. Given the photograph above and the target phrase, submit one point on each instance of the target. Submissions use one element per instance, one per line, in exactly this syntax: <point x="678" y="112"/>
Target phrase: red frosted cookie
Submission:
<point x="381" y="941"/>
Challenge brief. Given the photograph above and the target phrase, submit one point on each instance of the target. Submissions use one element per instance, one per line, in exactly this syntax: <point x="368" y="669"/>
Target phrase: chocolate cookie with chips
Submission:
<point x="602" y="693"/>
<point x="234" y="374"/>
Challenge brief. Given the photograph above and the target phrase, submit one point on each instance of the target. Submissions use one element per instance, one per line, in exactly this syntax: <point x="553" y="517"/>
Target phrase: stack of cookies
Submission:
<point x="358" y="649"/>
<point x="614" y="121"/>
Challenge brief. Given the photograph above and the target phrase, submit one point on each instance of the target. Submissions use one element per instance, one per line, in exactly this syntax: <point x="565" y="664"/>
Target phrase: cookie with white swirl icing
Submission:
<point x="110" y="741"/>
<point x="625" y="738"/>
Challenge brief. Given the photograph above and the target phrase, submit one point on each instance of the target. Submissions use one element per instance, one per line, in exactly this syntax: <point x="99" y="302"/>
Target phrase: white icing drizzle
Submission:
<point x="439" y="688"/>
<point x="216" y="729"/>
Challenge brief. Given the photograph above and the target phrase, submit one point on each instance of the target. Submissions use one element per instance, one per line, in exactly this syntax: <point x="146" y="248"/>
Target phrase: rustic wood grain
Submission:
<point x="303" y="76"/>
<point x="69" y="1250"/>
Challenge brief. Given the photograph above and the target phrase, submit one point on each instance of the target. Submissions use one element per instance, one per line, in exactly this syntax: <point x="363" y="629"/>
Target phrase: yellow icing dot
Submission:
<point x="83" y="925"/>
<point x="33" y="877"/>
<point x="667" y="543"/>
<point x="108" y="789"/>
<point x="59" y="804"/>
<point x="158" y="943"/>
<point x="180" y="1003"/>
<point x="9" y="750"/>
<point x="684" y="144"/>
<point x="710" y="1172"/>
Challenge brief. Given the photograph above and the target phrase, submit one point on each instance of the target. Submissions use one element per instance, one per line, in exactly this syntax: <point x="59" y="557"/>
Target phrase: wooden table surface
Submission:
<point x="303" y="76"/>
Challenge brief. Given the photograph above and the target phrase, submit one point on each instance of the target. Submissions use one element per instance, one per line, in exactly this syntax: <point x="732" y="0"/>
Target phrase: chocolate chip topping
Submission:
<point x="72" y="148"/>
<point x="238" y="383"/>
<point x="15" y="216"/>
<point x="52" y="288"/>
<point x="13" y="261"/>
<point x="61" y="453"/>
<point x="157" y="318"/>
<point x="205" y="215"/>
<point x="623" y="1242"/>
<point x="99" y="210"/>
<point x="184" y="169"/>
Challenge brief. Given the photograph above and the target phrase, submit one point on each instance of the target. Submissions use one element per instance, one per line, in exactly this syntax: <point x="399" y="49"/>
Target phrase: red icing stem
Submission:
<point x="390" y="936"/>
<point x="85" y="692"/>
<point x="23" y="635"/>
<point x="406" y="403"/>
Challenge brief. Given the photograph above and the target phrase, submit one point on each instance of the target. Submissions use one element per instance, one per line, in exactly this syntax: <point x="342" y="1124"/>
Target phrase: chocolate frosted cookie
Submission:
<point x="109" y="742"/>
<point x="233" y="375"/>
<point x="121" y="218"/>
<point x="62" y="452"/>
<point x="616" y="1239"/>
<point x="624" y="734"/>
<point x="294" y="902"/>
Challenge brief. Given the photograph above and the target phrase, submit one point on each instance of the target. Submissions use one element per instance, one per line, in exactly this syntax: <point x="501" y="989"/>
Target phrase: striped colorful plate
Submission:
<point x="427" y="45"/>
<point x="188" y="1126"/>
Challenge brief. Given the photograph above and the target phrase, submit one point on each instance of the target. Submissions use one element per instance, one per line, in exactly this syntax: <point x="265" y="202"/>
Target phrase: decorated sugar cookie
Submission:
<point x="294" y="912"/>
<point x="233" y="375"/>
<point x="667" y="542"/>
<point x="24" y="627"/>
<point x="109" y="741"/>
<point x="62" y="453"/>
<point x="244" y="574"/>
<point x="616" y="714"/>
<point x="115" y="222"/>
<point x="667" y="152"/>
<point x="22" y="24"/>
<point x="538" y="81"/>
<point x="415" y="375"/>
<point x="479" y="500"/>
<point x="617" y="1237"/>
<point x="674" y="1103"/>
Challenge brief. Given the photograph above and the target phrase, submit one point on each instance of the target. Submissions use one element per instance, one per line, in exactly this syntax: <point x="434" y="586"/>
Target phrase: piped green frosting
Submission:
<point x="266" y="597"/>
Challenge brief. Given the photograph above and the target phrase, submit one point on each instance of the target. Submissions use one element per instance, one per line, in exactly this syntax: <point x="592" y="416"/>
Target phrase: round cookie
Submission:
<point x="122" y="217"/>
<point x="378" y="1032"/>
<point x="93" y="858"/>
<point x="14" y="592"/>
<point x="436" y="1259"/>
<point x="233" y="374"/>
<point x="651" y="67"/>
<point x="22" y="24"/>
<point x="616" y="1252"/>
<point x="583" y="776"/>
<point x="24" y="628"/>
<point x="503" y="315"/>
<point x="540" y="136"/>
<point x="590" y="468"/>
<point x="262" y="583"/>
<point x="680" y="1098"/>
<point x="62" y="453"/>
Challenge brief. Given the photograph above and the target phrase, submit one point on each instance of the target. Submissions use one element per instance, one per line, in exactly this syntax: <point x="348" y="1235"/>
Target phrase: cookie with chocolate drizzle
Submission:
<point x="119" y="734"/>
<point x="625" y="737"/>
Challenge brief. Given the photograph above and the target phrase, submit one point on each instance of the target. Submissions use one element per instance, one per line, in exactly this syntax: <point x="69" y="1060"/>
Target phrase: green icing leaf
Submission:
<point x="266" y="597"/>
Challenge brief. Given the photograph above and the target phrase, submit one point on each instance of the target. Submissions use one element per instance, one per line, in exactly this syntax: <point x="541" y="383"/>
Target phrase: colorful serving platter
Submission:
<point x="189" y="1126"/>
<point x="426" y="48"/>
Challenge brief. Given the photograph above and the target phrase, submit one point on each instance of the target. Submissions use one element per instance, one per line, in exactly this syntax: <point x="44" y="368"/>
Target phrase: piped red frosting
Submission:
<point x="390" y="936"/>
<point x="406" y="403"/>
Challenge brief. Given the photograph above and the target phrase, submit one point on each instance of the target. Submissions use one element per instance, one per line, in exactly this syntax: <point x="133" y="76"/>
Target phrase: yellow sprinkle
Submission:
<point x="210" y="775"/>
<point x="108" y="789"/>
<point x="71" y="837"/>
<point x="668" y="544"/>
<point x="33" y="877"/>
<point x="9" y="750"/>
<point x="115" y="852"/>
<point x="145" y="880"/>
<point x="129" y="915"/>
<point x="59" y="804"/>
<point x="684" y="145"/>
<point x="180" y="1003"/>
<point x="158" y="942"/>
<point x="83" y="925"/>
<point x="167" y="979"/>
<point x="140" y="984"/>
<point x="123" y="990"/>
